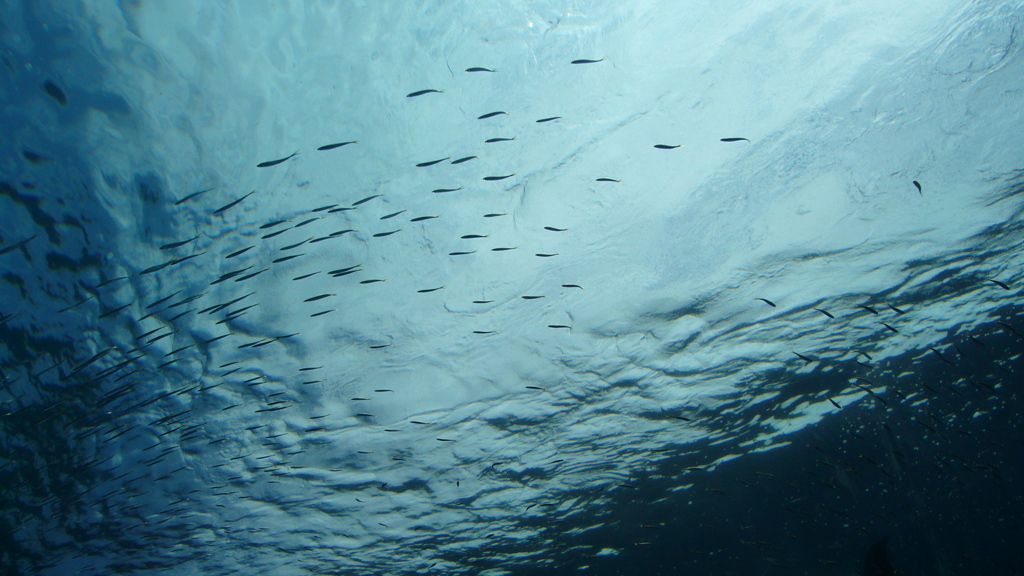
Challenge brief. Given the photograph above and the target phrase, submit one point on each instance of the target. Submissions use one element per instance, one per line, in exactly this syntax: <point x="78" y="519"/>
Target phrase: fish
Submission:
<point x="253" y="275"/>
<point x="379" y="346"/>
<point x="173" y="245"/>
<point x="426" y="290"/>
<point x="483" y="301"/>
<point x="494" y="215"/>
<point x="825" y="312"/>
<point x="491" y="115"/>
<point x="444" y="190"/>
<point x="322" y="208"/>
<point x="286" y="258"/>
<point x="422" y="218"/>
<point x="608" y="180"/>
<point x="734" y="140"/>
<point x="432" y="162"/>
<point x="546" y="255"/>
<point x="804" y="358"/>
<point x="868" y="308"/>
<point x="314" y="315"/>
<point x="321" y="239"/>
<point x="893" y="330"/>
<point x="14" y="247"/>
<point x="666" y="146"/>
<point x="191" y="196"/>
<point x="478" y="69"/>
<point x="559" y="326"/>
<point x="941" y="357"/>
<point x="918" y="186"/>
<point x="572" y="286"/>
<point x="895" y="309"/>
<point x="553" y="229"/>
<point x="392" y="215"/>
<point x="365" y="200"/>
<point x="305" y="222"/>
<point x="531" y="297"/>
<point x="998" y="283"/>
<point x="35" y="158"/>
<point x="383" y="234"/>
<point x="270" y="163"/>
<point x="273" y="224"/>
<point x="320" y="297"/>
<point x="493" y="140"/>
<point x="55" y="92"/>
<point x="497" y="178"/>
<point x="461" y="253"/>
<point x="371" y="281"/>
<point x="586" y="61"/>
<point x="473" y="236"/>
<point x="304" y="276"/>
<point x="551" y="119"/>
<point x="296" y="245"/>
<point x="223" y="209"/>
<point x="342" y="209"/>
<point x="766" y="301"/>
<point x="484" y="331"/>
<point x="422" y="92"/>
<point x="338" y="145"/>
<point x="340" y="233"/>
<point x="465" y="159"/>
<point x="273" y="234"/>
<point x="114" y="311"/>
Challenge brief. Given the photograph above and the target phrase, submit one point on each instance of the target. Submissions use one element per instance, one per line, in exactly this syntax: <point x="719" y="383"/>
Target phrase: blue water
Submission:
<point x="650" y="288"/>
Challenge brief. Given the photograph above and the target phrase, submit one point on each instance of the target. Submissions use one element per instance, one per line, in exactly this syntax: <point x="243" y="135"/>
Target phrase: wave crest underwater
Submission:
<point x="503" y="288"/>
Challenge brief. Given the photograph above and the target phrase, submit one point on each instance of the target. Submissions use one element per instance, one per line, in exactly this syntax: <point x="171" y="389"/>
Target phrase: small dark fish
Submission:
<point x="392" y="215"/>
<point x="546" y="255"/>
<point x="478" y="69"/>
<point x="431" y="163"/>
<point x="321" y="239"/>
<point x="304" y="276"/>
<point x="320" y="313"/>
<point x="552" y="229"/>
<point x="273" y="224"/>
<point x="893" y="330"/>
<point x="422" y="218"/>
<point x="868" y="308"/>
<point x="14" y="247"/>
<point x="493" y="140"/>
<point x="303" y="223"/>
<point x="494" y="215"/>
<point x="286" y="258"/>
<point x="223" y="209"/>
<point x="426" y="290"/>
<point x="178" y="244"/>
<point x="296" y="245"/>
<point x="114" y="311"/>
<point x="422" y="92"/>
<point x="998" y="283"/>
<point x="35" y="158"/>
<point x="608" y="180"/>
<point x="340" y="274"/>
<point x="340" y="233"/>
<point x="825" y="312"/>
<point x="383" y="234"/>
<point x="585" y="61"/>
<point x="804" y="358"/>
<point x="54" y="91"/>
<point x="270" y="163"/>
<point x="766" y="301"/>
<point x="483" y="301"/>
<point x="445" y="440"/>
<point x="365" y="200"/>
<point x="531" y="297"/>
<point x="338" y="145"/>
<point x="371" y="281"/>
<point x="976" y="341"/>
<point x="472" y="236"/>
<point x="551" y="119"/>
<point x="443" y="190"/>
<point x="320" y="297"/>
<point x="322" y="208"/>
<point x="461" y="160"/>
<point x="735" y="140"/>
<point x="666" y="146"/>
<point x="895" y="309"/>
<point x="253" y="275"/>
<point x="273" y="234"/>
<point x="342" y="209"/>
<point x="941" y="357"/>
<point x="497" y="178"/>
<point x="461" y="253"/>
<point x="191" y="196"/>
<point x="572" y="286"/>
<point x="484" y="331"/>
<point x="559" y="326"/>
<point x="491" y="115"/>
<point x="379" y="346"/>
<point x="918" y="186"/>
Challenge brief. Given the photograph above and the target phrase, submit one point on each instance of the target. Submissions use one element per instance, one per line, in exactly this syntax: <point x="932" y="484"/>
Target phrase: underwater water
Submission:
<point x="655" y="287"/>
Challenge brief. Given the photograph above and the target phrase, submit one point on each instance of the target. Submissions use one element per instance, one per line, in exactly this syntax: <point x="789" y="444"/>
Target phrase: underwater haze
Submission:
<point x="511" y="287"/>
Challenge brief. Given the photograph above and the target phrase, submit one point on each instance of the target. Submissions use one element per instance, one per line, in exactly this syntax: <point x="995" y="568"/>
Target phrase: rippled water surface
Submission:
<point x="510" y="287"/>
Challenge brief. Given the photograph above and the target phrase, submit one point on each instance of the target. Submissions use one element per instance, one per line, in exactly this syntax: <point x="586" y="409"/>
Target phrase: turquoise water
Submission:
<point x="587" y="287"/>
